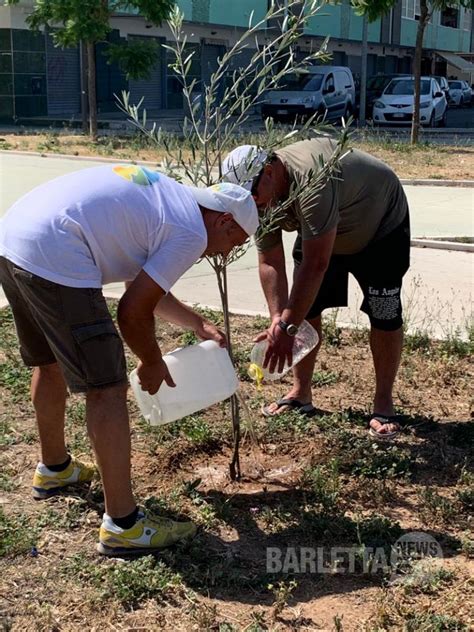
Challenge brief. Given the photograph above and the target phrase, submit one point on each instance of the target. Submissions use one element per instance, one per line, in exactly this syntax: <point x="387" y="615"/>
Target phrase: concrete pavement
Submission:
<point x="438" y="287"/>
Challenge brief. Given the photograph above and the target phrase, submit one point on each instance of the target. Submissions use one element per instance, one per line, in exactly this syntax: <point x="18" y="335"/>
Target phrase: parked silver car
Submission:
<point x="328" y="90"/>
<point x="459" y="93"/>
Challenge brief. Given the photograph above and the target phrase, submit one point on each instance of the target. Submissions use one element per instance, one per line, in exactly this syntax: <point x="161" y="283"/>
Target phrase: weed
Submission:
<point x="466" y="498"/>
<point x="431" y="622"/>
<point x="290" y="423"/>
<point x="205" y="511"/>
<point x="70" y="517"/>
<point x="455" y="345"/>
<point x="427" y="576"/>
<point x="435" y="507"/>
<point x="467" y="545"/>
<point x="196" y="429"/>
<point x="275" y="519"/>
<point x="210" y="314"/>
<point x="129" y="582"/>
<point x="331" y="333"/>
<point x="360" y="456"/>
<point x="188" y="338"/>
<point x="260" y="323"/>
<point x="324" y="378"/>
<point x="6" y="433"/>
<point x="7" y="483"/>
<point x="281" y="594"/>
<point x="417" y="341"/>
<point x="377" y="531"/>
<point x="323" y="484"/>
<point x="16" y="535"/>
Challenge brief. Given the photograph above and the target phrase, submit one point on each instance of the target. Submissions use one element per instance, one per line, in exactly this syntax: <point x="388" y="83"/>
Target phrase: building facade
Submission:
<point x="38" y="80"/>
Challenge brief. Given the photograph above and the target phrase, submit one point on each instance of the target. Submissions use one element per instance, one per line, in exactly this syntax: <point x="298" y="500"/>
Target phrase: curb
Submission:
<point x="438" y="183"/>
<point x="442" y="245"/>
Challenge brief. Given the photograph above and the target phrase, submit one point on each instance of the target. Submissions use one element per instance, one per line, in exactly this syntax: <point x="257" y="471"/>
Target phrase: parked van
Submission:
<point x="327" y="90"/>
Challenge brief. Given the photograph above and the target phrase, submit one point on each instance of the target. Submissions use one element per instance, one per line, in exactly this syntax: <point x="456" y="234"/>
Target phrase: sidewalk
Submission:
<point x="437" y="291"/>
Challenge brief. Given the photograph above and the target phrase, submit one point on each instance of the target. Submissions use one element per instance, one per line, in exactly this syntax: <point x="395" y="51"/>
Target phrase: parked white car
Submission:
<point x="395" y="106"/>
<point x="459" y="93"/>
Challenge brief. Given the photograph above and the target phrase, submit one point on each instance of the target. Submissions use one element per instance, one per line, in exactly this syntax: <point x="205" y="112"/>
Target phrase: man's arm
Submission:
<point x="308" y="278"/>
<point x="137" y="324"/>
<point x="271" y="267"/>
<point x="172" y="310"/>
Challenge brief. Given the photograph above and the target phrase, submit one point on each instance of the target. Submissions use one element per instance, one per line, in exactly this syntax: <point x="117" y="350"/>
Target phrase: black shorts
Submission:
<point x="68" y="325"/>
<point x="379" y="270"/>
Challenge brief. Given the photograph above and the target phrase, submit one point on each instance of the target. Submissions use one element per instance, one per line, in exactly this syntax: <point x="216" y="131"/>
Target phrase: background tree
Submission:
<point x="426" y="11"/>
<point x="374" y="9"/>
<point x="87" y="22"/>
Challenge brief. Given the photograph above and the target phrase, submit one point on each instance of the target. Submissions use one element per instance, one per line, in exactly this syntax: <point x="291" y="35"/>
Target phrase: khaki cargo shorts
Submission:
<point x="68" y="325"/>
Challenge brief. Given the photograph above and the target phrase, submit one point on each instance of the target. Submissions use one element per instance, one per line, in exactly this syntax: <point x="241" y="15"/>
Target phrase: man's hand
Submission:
<point x="151" y="376"/>
<point x="280" y="346"/>
<point x="208" y="331"/>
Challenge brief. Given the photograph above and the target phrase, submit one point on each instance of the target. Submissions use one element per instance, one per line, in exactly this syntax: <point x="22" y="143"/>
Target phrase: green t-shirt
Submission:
<point x="364" y="198"/>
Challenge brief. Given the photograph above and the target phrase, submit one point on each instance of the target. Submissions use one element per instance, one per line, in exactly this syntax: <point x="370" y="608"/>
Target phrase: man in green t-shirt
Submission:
<point x="357" y="223"/>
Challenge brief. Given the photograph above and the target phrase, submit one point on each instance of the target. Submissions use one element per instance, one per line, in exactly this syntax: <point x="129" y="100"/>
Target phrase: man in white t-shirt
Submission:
<point x="58" y="245"/>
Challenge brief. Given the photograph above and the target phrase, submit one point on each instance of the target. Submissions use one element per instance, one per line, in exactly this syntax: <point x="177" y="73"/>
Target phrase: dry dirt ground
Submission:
<point x="306" y="483"/>
<point x="421" y="161"/>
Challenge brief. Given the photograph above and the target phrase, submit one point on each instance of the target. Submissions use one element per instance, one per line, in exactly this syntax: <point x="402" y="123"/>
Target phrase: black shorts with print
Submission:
<point x="379" y="270"/>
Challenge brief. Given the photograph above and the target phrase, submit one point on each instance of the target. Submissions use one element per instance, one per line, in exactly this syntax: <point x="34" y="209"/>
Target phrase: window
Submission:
<point x="408" y="9"/>
<point x="450" y="17"/>
<point x="329" y="85"/>
<point x="466" y="20"/>
<point x="407" y="87"/>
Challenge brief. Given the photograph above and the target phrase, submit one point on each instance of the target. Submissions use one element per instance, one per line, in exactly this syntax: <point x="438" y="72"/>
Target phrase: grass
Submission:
<point x="16" y="534"/>
<point x="129" y="583"/>
<point x="424" y="160"/>
<point x="309" y="483"/>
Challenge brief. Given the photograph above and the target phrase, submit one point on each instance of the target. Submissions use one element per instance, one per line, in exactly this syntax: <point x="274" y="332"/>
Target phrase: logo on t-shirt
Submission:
<point x="137" y="175"/>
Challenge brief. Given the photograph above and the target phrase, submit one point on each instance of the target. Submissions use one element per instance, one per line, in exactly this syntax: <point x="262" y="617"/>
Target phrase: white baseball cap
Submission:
<point x="242" y="164"/>
<point x="226" y="197"/>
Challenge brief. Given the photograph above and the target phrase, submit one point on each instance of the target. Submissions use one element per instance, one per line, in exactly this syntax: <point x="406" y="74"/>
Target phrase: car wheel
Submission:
<point x="432" y="122"/>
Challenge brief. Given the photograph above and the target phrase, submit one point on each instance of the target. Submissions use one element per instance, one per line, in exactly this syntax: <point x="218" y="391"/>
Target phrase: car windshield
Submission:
<point x="406" y="86"/>
<point x="296" y="82"/>
<point x="457" y="85"/>
<point x="377" y="83"/>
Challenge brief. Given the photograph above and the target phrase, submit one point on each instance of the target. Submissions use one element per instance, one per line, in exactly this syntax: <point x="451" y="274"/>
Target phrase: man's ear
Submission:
<point x="224" y="219"/>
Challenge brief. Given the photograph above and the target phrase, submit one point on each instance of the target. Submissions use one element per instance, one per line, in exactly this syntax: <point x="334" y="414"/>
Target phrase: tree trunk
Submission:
<point x="91" y="89"/>
<point x="415" y="126"/>
<point x="363" y="73"/>
<point x="84" y="91"/>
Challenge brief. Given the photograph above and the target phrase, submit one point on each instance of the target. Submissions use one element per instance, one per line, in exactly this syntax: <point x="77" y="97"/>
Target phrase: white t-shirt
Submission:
<point x="103" y="225"/>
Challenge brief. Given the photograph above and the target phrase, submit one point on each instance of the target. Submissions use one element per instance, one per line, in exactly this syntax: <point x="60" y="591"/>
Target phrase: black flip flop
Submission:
<point x="307" y="410"/>
<point x="384" y="419"/>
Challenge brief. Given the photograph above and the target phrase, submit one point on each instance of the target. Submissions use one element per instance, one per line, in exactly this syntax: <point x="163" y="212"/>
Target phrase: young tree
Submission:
<point x="87" y="22"/>
<point x="215" y="120"/>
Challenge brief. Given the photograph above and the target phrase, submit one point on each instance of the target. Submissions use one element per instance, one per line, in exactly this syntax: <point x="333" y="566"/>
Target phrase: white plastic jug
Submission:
<point x="305" y="341"/>
<point x="203" y="374"/>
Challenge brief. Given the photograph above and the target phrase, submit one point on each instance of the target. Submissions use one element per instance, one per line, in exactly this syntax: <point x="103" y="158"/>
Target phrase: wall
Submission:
<point x="341" y="22"/>
<point x="436" y="37"/>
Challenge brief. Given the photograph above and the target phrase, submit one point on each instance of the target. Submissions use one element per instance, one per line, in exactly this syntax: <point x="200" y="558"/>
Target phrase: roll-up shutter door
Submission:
<point x="63" y="79"/>
<point x="152" y="87"/>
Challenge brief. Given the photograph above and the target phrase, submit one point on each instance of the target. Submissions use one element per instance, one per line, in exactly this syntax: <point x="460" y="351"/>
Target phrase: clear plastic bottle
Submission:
<point x="305" y="341"/>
